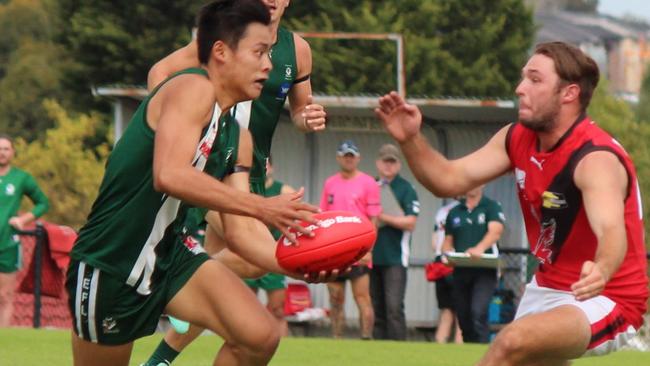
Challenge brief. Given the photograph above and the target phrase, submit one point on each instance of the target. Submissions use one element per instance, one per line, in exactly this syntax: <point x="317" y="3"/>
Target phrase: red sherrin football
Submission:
<point x="340" y="240"/>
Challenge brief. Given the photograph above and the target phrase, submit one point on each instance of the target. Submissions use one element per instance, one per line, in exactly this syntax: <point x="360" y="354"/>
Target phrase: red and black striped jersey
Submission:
<point x="556" y="222"/>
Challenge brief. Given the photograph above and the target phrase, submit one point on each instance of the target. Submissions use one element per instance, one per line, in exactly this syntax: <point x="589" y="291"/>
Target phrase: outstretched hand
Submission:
<point x="401" y="120"/>
<point x="591" y="283"/>
<point x="286" y="211"/>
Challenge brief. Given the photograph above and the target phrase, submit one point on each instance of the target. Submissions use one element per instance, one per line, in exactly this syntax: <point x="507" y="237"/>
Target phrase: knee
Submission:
<point x="269" y="343"/>
<point x="509" y="346"/>
<point x="263" y="342"/>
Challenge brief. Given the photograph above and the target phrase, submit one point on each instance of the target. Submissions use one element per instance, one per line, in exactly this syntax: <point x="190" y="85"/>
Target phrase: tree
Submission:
<point x="463" y="48"/>
<point x="117" y="41"/>
<point x="34" y="72"/>
<point x="22" y="20"/>
<point x="31" y="67"/>
<point x="643" y="108"/>
<point x="68" y="171"/>
<point x="468" y="48"/>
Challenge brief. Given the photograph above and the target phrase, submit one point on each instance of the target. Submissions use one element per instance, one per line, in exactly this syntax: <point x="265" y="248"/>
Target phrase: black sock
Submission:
<point x="163" y="353"/>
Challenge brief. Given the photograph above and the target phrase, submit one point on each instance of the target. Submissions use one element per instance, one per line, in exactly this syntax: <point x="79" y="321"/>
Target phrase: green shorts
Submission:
<point x="268" y="282"/>
<point x="105" y="310"/>
<point x="10" y="259"/>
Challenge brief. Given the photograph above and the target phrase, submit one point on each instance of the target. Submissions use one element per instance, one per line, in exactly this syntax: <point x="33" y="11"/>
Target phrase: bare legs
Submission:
<point x="7" y="291"/>
<point x="361" y="292"/>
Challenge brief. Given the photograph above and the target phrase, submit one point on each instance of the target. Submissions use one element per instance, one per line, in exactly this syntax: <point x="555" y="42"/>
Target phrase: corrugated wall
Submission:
<point x="307" y="160"/>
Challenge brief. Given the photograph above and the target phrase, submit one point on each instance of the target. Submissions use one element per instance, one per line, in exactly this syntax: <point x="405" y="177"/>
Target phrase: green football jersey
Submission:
<point x="13" y="186"/>
<point x="129" y="218"/>
<point x="221" y="162"/>
<point x="261" y="115"/>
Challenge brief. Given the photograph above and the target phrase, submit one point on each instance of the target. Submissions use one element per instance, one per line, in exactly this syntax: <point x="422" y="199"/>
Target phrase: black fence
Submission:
<point x="39" y="242"/>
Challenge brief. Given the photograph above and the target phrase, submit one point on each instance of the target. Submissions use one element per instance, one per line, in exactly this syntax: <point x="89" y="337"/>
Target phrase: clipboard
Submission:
<point x="488" y="260"/>
<point x="389" y="203"/>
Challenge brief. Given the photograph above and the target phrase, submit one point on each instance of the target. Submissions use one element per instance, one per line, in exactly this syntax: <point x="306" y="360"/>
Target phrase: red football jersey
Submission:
<point x="556" y="223"/>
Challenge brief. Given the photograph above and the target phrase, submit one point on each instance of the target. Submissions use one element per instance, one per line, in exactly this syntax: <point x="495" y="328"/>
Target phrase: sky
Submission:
<point x="638" y="8"/>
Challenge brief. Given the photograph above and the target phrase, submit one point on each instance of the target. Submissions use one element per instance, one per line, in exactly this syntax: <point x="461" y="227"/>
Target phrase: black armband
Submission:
<point x="304" y="78"/>
<point x="241" y="169"/>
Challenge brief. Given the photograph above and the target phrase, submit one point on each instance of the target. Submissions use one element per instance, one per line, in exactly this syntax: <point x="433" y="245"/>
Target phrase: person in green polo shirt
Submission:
<point x="400" y="208"/>
<point x="14" y="184"/>
<point x="473" y="226"/>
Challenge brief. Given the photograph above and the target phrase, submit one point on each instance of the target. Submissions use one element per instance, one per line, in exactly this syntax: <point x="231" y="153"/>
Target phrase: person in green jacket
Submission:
<point x="14" y="184"/>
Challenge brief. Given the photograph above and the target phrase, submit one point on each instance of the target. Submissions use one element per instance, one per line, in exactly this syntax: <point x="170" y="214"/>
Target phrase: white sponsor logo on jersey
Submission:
<point x="326" y="224"/>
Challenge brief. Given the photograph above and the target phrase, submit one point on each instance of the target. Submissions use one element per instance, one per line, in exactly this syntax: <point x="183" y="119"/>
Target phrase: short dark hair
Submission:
<point x="227" y="20"/>
<point x="573" y="67"/>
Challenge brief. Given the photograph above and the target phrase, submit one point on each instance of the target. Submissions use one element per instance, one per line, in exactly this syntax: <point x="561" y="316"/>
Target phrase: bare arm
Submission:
<point x="405" y="223"/>
<point x="250" y="250"/>
<point x="447" y="246"/>
<point x="246" y="237"/>
<point x="434" y="242"/>
<point x="493" y="234"/>
<point x="186" y="104"/>
<point x="182" y="58"/>
<point x="19" y="222"/>
<point x="249" y="239"/>
<point x="217" y="247"/>
<point x="287" y="189"/>
<point x="178" y="115"/>
<point x="603" y="181"/>
<point x="306" y="115"/>
<point x="442" y="177"/>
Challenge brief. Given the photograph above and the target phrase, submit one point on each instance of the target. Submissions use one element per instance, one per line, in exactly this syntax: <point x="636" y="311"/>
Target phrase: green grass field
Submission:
<point x="27" y="347"/>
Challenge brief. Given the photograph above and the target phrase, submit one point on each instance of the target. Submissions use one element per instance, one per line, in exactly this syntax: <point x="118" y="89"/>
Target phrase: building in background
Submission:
<point x="453" y="126"/>
<point x="619" y="45"/>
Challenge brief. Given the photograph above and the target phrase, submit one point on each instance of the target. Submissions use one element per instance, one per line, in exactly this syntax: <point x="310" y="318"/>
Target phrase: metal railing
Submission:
<point x="39" y="234"/>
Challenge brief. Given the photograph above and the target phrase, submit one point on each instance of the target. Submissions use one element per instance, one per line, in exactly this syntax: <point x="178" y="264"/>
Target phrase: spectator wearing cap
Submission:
<point x="400" y="208"/>
<point x="352" y="190"/>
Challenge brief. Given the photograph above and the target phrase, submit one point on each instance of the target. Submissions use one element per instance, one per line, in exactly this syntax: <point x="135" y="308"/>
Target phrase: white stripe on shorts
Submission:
<point x="92" y="303"/>
<point x="77" y="305"/>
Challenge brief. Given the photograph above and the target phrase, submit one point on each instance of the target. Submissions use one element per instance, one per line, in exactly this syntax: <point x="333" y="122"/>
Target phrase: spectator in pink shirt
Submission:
<point x="355" y="191"/>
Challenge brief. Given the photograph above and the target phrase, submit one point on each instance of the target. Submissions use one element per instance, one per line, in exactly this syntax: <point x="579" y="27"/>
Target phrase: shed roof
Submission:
<point x="436" y="109"/>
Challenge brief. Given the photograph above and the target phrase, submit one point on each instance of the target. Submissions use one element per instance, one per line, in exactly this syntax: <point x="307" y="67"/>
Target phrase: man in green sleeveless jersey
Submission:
<point x="292" y="64"/>
<point x="133" y="259"/>
<point x="14" y="183"/>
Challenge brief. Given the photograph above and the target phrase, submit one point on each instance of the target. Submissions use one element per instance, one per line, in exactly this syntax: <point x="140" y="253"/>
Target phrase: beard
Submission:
<point x="545" y="119"/>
